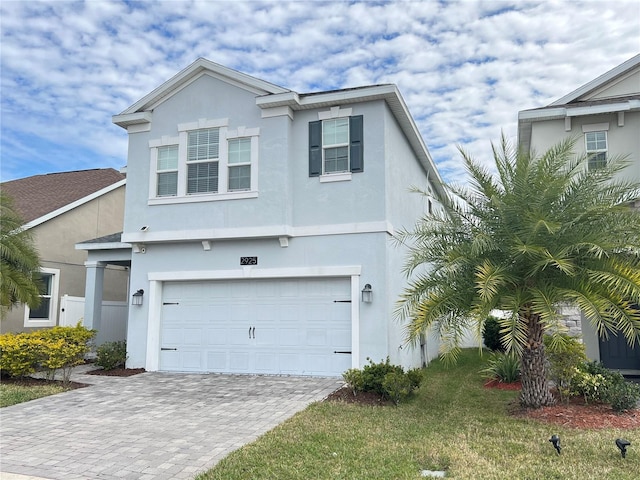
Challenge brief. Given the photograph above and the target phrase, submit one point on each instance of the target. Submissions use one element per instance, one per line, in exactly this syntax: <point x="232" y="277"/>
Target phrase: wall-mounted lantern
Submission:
<point x="367" y="293"/>
<point x="136" y="298"/>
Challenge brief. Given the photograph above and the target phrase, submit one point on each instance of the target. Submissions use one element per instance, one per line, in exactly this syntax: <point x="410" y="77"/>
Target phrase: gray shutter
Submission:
<point x="315" y="148"/>
<point x="356" y="146"/>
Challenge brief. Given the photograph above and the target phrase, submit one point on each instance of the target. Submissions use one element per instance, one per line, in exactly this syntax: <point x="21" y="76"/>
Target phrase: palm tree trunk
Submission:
<point x="535" y="389"/>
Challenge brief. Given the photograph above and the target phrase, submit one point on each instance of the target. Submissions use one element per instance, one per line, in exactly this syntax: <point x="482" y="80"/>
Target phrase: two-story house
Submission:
<point x="260" y="222"/>
<point x="604" y="116"/>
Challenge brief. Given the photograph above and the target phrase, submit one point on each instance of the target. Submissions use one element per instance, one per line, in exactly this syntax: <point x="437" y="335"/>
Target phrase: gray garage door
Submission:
<point x="283" y="326"/>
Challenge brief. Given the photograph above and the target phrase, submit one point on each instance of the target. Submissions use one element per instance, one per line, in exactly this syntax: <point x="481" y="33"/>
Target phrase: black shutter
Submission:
<point x="356" y="146"/>
<point x="315" y="148"/>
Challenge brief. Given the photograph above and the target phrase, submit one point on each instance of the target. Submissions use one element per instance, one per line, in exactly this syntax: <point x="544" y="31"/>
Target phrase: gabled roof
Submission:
<point x="599" y="82"/>
<point x="42" y="197"/>
<point x="136" y="112"/>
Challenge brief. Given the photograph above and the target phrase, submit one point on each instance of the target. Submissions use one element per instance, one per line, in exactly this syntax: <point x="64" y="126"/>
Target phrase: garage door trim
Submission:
<point x="157" y="279"/>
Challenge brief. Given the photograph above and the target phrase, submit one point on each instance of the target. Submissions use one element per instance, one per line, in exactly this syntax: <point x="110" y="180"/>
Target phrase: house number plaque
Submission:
<point x="248" y="260"/>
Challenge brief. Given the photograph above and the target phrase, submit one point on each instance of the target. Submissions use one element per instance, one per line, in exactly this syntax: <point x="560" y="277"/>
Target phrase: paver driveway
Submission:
<point x="148" y="426"/>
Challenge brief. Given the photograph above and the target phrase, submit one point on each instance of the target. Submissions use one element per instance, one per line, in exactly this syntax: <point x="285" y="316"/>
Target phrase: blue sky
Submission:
<point x="464" y="68"/>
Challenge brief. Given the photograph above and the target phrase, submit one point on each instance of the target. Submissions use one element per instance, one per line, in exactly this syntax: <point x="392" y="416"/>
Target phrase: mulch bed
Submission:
<point x="31" y="382"/>
<point x="503" y="386"/>
<point x="117" y="372"/>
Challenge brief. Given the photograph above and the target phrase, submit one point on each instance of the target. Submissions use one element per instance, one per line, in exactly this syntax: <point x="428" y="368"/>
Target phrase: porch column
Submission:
<point x="93" y="296"/>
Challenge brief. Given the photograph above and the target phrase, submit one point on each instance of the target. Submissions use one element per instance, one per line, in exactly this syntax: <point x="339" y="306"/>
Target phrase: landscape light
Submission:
<point x="555" y="440"/>
<point x="622" y="444"/>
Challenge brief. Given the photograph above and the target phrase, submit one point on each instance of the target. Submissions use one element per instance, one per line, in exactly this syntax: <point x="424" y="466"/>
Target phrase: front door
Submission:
<point x="615" y="353"/>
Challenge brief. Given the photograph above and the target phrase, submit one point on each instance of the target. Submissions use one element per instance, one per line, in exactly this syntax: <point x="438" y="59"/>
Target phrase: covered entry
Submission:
<point x="297" y="326"/>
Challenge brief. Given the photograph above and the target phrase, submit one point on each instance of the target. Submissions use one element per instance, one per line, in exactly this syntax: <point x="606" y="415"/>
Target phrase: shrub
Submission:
<point x="374" y="373"/>
<point x="19" y="354"/>
<point x="51" y="349"/>
<point x="623" y="396"/>
<point x="112" y="355"/>
<point x="397" y="386"/>
<point x="491" y="334"/>
<point x="389" y="381"/>
<point x="415" y="376"/>
<point x="596" y="383"/>
<point x="564" y="357"/>
<point x="592" y="386"/>
<point x="504" y="367"/>
<point x="354" y="379"/>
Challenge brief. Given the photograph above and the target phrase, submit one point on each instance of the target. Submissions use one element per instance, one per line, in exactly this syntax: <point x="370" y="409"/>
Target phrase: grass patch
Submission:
<point x="452" y="424"/>
<point x="13" y="393"/>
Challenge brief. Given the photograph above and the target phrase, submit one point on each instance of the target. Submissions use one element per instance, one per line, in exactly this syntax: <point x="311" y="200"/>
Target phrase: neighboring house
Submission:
<point x="260" y="222"/>
<point x="604" y="115"/>
<point x="61" y="209"/>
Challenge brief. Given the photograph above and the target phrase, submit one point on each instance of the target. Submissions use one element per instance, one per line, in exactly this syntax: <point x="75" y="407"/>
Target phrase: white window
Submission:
<point x="335" y="145"/>
<point x="596" y="147"/>
<point x="239" y="164"/>
<point x="206" y="162"/>
<point x="45" y="314"/>
<point x="167" y="168"/>
<point x="203" y="149"/>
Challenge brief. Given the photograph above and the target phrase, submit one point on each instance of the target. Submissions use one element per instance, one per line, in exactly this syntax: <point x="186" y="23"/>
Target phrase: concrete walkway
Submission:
<point x="148" y="426"/>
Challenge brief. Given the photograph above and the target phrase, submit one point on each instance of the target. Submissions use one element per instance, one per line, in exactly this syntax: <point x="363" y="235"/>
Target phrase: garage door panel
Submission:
<point x="289" y="313"/>
<point x="192" y="360"/>
<point x="239" y="362"/>
<point x="239" y="335"/>
<point x="216" y="361"/>
<point x="169" y="360"/>
<point x="288" y="363"/>
<point x="316" y="363"/>
<point x="192" y="336"/>
<point x="340" y="337"/>
<point x="216" y="337"/>
<point x="289" y="337"/>
<point x="340" y="362"/>
<point x="266" y="362"/>
<point x="316" y="337"/>
<point x="298" y="325"/>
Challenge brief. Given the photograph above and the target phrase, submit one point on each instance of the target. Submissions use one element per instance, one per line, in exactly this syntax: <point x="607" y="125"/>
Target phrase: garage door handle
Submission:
<point x="252" y="330"/>
<point x="349" y="353"/>
<point x="164" y="348"/>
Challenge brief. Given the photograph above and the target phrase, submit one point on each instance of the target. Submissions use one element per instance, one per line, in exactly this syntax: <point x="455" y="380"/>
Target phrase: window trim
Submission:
<point x="591" y="154"/>
<point x="355" y="145"/>
<point x="332" y="146"/>
<point x="52" y="320"/>
<point x="181" y="140"/>
<point x="169" y="170"/>
<point x="239" y="164"/>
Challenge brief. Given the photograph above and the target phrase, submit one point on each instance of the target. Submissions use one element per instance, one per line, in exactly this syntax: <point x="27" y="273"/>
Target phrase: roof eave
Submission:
<point x="81" y="201"/>
<point x="196" y="68"/>
<point x="599" y="81"/>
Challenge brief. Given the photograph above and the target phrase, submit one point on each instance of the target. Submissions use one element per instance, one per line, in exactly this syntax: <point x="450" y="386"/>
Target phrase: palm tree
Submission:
<point x="19" y="261"/>
<point x="545" y="232"/>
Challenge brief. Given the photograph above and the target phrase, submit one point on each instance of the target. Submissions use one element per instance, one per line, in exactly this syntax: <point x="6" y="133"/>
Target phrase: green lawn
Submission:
<point x="11" y="393"/>
<point x="452" y="424"/>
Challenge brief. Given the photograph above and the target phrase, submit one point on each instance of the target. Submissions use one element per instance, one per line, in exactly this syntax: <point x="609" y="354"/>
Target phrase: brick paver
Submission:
<point x="152" y="425"/>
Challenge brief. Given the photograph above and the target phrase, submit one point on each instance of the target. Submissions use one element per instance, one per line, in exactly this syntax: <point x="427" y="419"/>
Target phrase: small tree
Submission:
<point x="19" y="262"/>
<point x="545" y="231"/>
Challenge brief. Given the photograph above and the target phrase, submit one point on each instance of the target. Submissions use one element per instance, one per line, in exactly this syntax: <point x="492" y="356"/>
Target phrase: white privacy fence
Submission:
<point x="113" y="326"/>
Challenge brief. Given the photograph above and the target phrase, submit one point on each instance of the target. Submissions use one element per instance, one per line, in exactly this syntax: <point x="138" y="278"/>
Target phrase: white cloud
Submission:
<point x="464" y="68"/>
